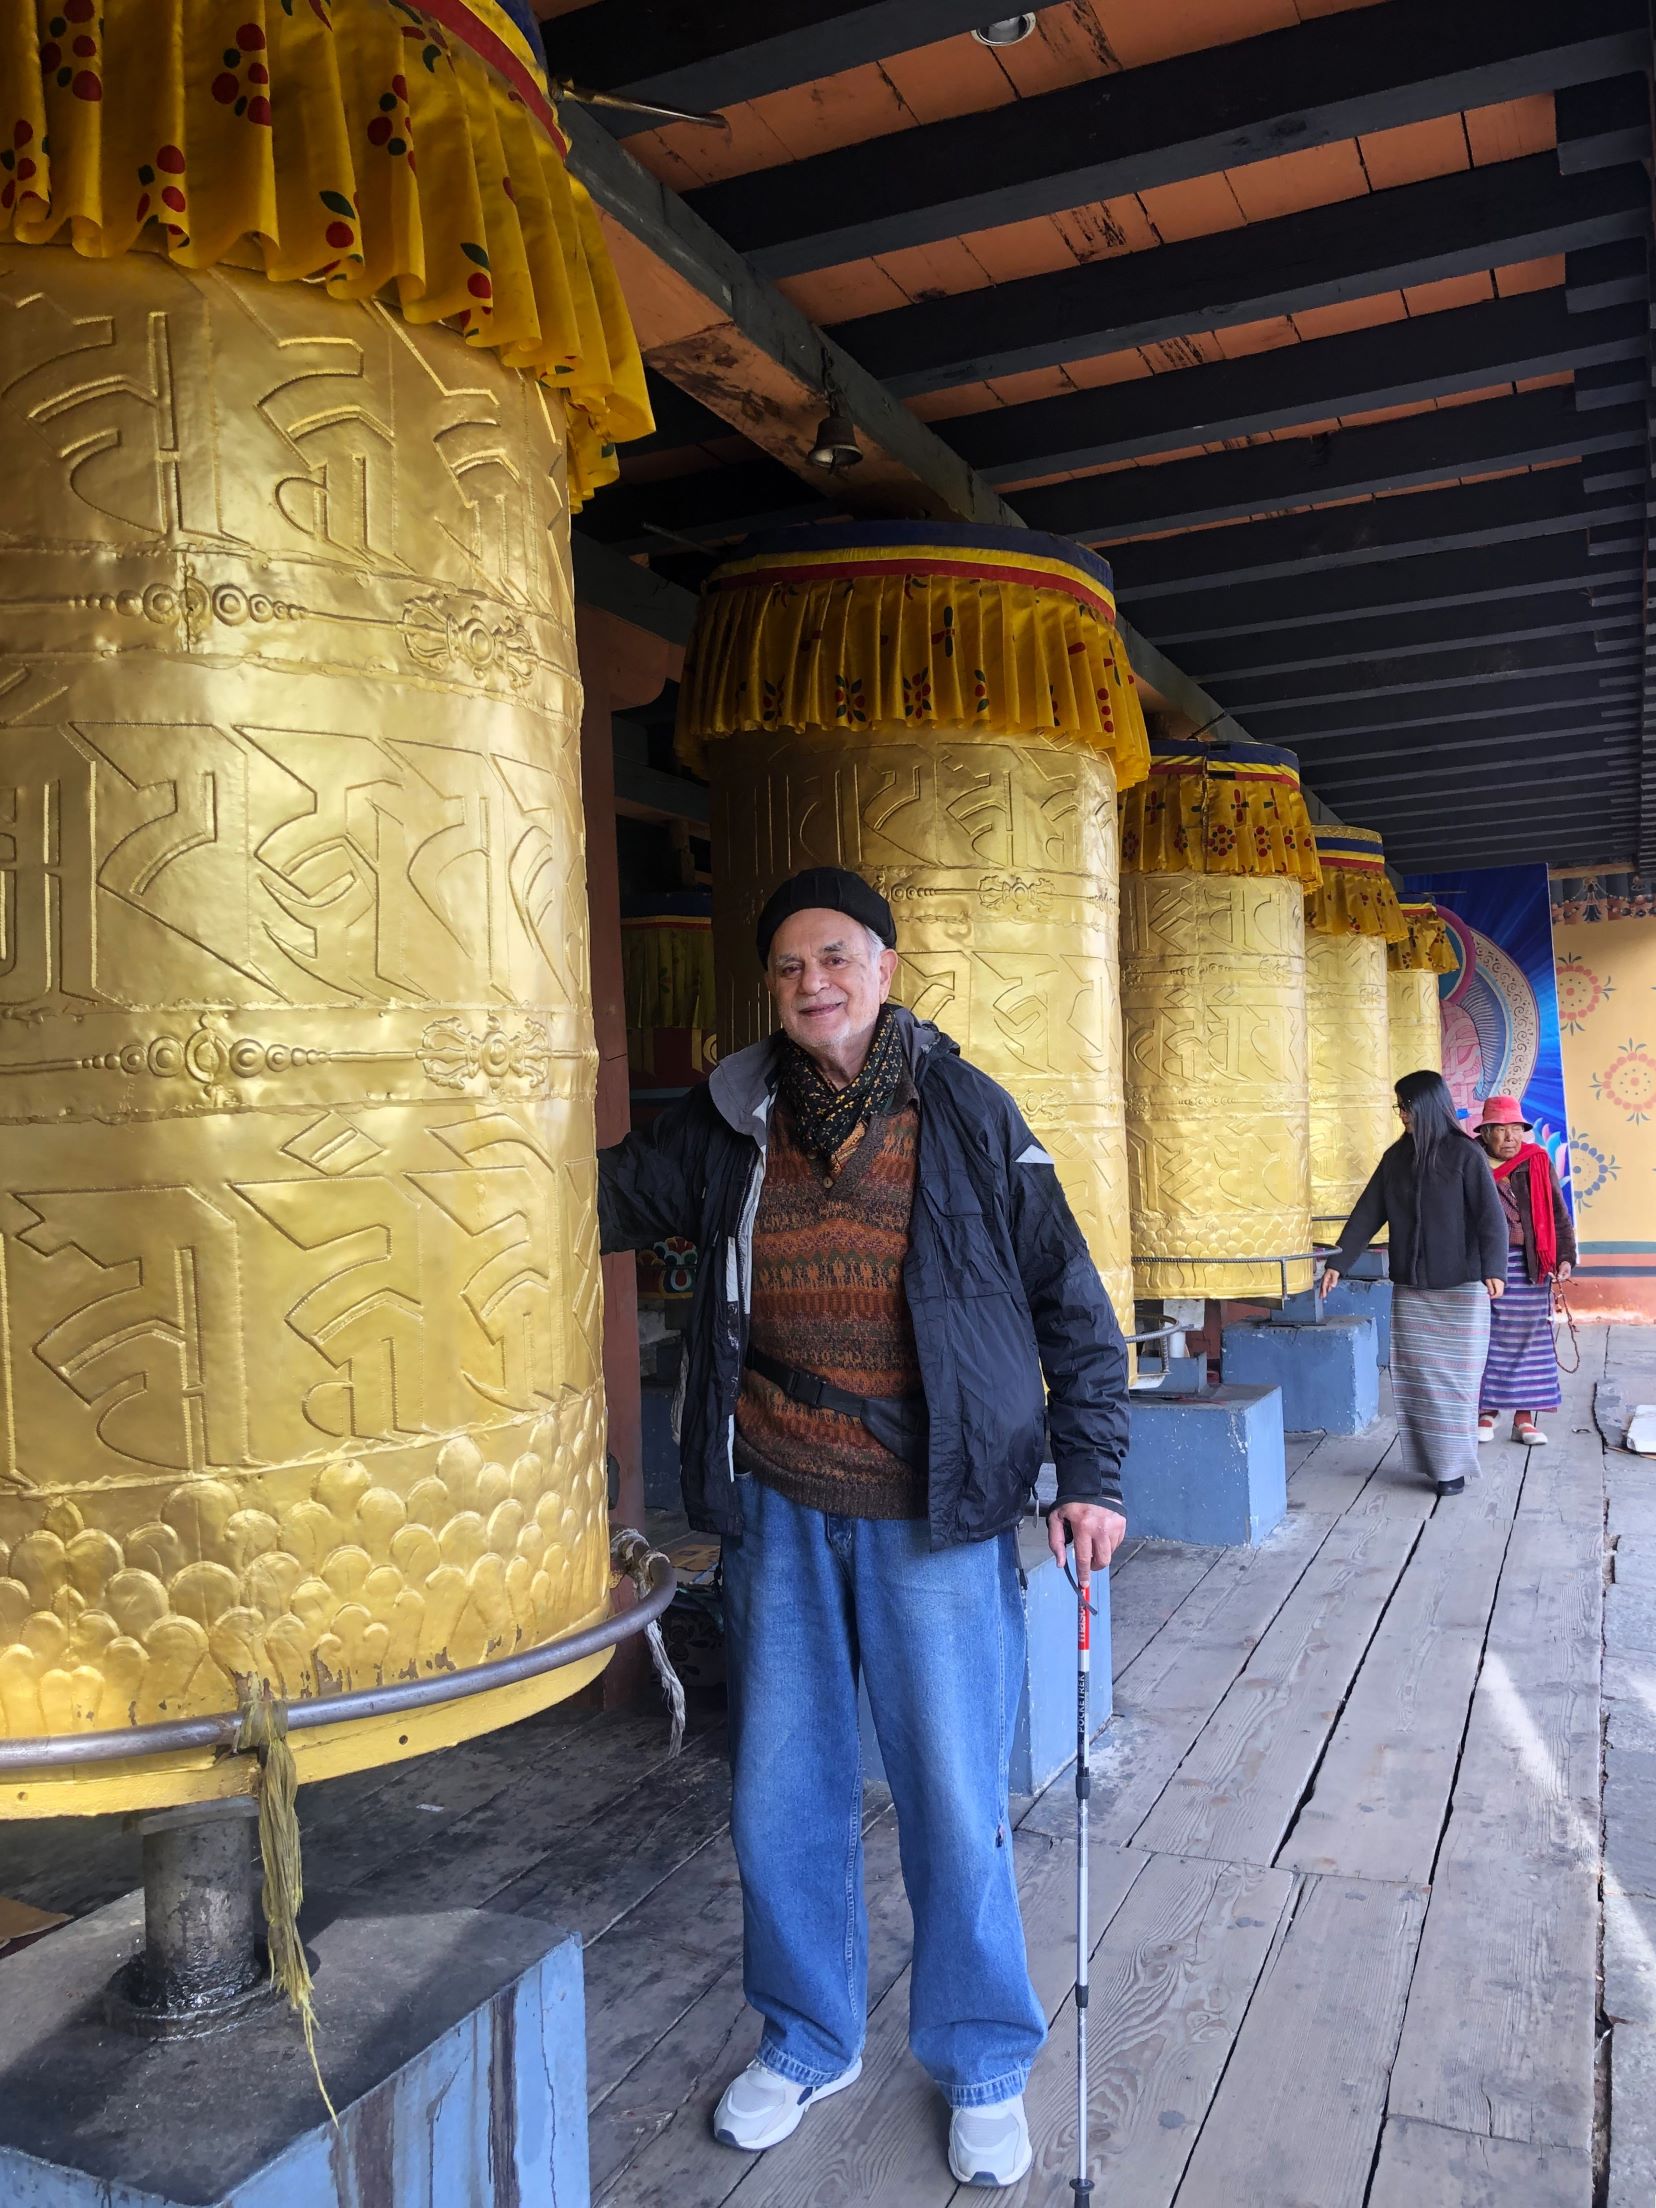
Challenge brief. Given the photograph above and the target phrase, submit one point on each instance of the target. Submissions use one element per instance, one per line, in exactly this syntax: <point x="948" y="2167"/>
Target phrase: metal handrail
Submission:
<point x="63" y="1751"/>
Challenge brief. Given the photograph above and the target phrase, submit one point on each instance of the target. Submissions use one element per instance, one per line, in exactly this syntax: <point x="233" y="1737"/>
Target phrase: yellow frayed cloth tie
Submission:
<point x="263" y="1731"/>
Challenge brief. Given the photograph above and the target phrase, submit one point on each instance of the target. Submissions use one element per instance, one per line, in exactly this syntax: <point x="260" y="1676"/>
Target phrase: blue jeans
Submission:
<point x="811" y="1600"/>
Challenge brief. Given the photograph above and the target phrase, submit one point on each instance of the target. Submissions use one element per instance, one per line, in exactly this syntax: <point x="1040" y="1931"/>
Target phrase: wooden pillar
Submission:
<point x="620" y="666"/>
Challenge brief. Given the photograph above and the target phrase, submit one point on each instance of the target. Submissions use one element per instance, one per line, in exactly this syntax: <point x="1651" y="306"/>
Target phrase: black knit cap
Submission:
<point x="826" y="889"/>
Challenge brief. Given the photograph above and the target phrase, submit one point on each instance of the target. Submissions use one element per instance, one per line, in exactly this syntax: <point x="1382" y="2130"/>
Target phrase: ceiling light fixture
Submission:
<point x="1006" y="30"/>
<point x="835" y="447"/>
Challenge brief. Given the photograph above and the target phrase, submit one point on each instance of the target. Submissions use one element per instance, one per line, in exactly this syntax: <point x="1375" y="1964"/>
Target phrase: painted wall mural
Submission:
<point x="1607" y="1009"/>
<point x="1501" y="1004"/>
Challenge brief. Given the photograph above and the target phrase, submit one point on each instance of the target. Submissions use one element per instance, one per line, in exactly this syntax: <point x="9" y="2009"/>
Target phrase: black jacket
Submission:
<point x="1461" y="1233"/>
<point x="1015" y="1335"/>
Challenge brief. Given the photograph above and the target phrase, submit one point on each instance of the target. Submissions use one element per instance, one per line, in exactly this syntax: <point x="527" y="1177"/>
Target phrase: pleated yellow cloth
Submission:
<point x="1356" y="896"/>
<point x="372" y="145"/>
<point x="1426" y="948"/>
<point x="1219" y="809"/>
<point x="913" y="627"/>
<point x="667" y="970"/>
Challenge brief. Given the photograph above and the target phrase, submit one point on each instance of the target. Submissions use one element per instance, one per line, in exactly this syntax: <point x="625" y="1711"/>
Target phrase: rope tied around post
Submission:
<point x="262" y="1731"/>
<point x="633" y="1558"/>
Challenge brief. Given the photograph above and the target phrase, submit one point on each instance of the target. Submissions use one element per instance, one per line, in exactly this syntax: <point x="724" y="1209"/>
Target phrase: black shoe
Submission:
<point x="1449" y="1487"/>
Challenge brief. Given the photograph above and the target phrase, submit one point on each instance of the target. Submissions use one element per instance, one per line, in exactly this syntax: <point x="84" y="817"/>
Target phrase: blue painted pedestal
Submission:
<point x="1357" y="1298"/>
<point x="453" y="2043"/>
<point x="1043" y="1740"/>
<point x="1206" y="1468"/>
<point x="1328" y="1372"/>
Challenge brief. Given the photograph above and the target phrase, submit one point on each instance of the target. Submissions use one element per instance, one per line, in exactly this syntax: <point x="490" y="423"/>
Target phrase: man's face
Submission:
<point x="1503" y="1142"/>
<point x="829" y="979"/>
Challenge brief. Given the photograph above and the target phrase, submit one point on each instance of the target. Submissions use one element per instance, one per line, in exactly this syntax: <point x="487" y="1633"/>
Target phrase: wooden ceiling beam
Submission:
<point x="1329" y="757"/>
<point x="1441" y="674"/>
<point x="1297" y="647"/>
<point x="1521" y="431"/>
<point x="1489" y="700"/>
<point x="1338" y="76"/>
<point x="703" y="54"/>
<point x="1457" y="225"/>
<point x="1467" y="517"/>
<point x="1207" y="625"/>
<point x="1399" y="364"/>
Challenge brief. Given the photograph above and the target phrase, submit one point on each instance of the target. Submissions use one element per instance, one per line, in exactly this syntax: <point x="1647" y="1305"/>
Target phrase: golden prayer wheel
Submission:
<point x="1349" y="922"/>
<point x="1217" y="854"/>
<point x="1413" y="1000"/>
<point x="948" y="711"/>
<point x="300" y="1328"/>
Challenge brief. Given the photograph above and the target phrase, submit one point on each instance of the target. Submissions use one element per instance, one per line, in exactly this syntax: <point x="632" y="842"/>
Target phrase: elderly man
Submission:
<point x="888" y="1270"/>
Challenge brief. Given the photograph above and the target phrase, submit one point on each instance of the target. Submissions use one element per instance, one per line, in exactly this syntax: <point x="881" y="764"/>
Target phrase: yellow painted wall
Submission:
<point x="1607" y="1010"/>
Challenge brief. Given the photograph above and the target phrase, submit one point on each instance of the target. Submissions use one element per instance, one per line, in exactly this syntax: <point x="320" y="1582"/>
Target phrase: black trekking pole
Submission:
<point x="1081" y="2184"/>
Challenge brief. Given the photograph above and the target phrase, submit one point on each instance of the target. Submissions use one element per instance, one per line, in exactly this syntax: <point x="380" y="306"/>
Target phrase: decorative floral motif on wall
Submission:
<point x="1590" y="1168"/>
<point x="1580" y="993"/>
<point x="1629" y="1082"/>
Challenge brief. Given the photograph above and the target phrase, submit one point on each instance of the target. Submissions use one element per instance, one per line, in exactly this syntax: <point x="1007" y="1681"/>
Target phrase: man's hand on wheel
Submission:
<point x="1096" y="1530"/>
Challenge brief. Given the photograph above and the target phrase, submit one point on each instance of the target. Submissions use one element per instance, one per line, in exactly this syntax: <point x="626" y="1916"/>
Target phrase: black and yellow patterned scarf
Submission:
<point x="825" y="1117"/>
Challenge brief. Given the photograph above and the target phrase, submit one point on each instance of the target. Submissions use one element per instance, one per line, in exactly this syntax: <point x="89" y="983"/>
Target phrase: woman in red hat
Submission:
<point x="1522" y="1367"/>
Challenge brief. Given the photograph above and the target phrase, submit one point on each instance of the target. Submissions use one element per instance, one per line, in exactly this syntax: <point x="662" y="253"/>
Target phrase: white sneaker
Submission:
<point x="1486" y="1429"/>
<point x="760" y="2108"/>
<point x="990" y="2146"/>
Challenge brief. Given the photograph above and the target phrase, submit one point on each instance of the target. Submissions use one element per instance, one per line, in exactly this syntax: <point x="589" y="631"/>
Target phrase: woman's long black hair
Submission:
<point x="1432" y="1121"/>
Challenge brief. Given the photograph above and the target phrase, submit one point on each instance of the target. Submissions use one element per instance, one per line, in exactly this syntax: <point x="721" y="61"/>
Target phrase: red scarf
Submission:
<point x="1541" y="1203"/>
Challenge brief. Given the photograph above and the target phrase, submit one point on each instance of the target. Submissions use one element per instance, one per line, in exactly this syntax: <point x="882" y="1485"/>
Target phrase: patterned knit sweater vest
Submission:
<point x="828" y="1297"/>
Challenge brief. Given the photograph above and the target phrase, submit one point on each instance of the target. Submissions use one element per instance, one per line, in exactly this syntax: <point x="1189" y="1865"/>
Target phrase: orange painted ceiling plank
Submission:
<point x="1412" y="152"/>
<point x="1256" y="337"/>
<point x="1034" y="383"/>
<point x="1192" y="210"/>
<point x="1547" y="383"/>
<point x="1107" y="368"/>
<point x="942" y="406"/>
<point x="944" y="270"/>
<point x="1032" y="248"/>
<point x="1067" y="46"/>
<point x="1105" y="227"/>
<point x="1351" y="314"/>
<point x="837" y="294"/>
<point x="844" y="110"/>
<point x="1287" y="184"/>
<point x="1512" y="128"/>
<point x="955" y="76"/>
<point x="1541" y="275"/>
<point x="1448" y="291"/>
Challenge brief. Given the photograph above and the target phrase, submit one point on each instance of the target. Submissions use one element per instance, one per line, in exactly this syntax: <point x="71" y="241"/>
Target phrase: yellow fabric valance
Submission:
<point x="1219" y="809"/>
<point x="374" y="146"/>
<point x="1426" y="948"/>
<point x="880" y="626"/>
<point x="1356" y="896"/>
<point x="667" y="970"/>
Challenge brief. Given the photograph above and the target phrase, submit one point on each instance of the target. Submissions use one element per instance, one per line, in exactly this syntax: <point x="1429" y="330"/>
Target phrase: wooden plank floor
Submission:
<point x="1377" y="1800"/>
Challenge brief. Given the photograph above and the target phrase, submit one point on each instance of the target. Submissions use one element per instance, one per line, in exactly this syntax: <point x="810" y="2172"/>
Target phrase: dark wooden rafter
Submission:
<point x="1398" y="364"/>
<point x="1301" y="647"/>
<point x="1529" y="428"/>
<point x="1465" y="517"/>
<point x="709" y="54"/>
<point x="1216" y="628"/>
<point x="1438" y="674"/>
<point x="1332" y="78"/>
<point x="1456" y="225"/>
<point x="1490" y="700"/>
<point x="1328" y="757"/>
<point x="1602" y="123"/>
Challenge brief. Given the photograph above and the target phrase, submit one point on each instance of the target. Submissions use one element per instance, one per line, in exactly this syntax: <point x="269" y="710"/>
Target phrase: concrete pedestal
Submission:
<point x="1357" y="1298"/>
<point x="1206" y="1468"/>
<point x="453" y="2044"/>
<point x="1043" y="1740"/>
<point x="1329" y="1372"/>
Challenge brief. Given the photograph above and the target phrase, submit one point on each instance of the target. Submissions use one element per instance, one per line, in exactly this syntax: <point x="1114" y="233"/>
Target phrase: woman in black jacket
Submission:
<point x="1433" y="1188"/>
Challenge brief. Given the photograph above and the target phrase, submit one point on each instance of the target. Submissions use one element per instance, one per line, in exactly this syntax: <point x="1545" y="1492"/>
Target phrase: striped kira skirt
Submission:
<point x="1522" y="1370"/>
<point x="1440" y="1337"/>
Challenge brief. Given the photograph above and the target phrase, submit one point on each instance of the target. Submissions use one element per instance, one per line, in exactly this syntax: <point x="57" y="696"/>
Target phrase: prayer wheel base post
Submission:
<point x="452" y="2042"/>
<point x="1207" y="1468"/>
<point x="203" y="1964"/>
<point x="1328" y="1371"/>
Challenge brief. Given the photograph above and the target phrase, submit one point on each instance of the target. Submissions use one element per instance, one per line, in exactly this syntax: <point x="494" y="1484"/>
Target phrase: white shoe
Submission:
<point x="1486" y="1429"/>
<point x="760" y="2108"/>
<point x="990" y="2146"/>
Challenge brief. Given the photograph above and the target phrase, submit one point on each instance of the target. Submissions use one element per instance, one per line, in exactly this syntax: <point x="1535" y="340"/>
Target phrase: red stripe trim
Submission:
<point x="1340" y="862"/>
<point x="973" y="570"/>
<point x="491" y="49"/>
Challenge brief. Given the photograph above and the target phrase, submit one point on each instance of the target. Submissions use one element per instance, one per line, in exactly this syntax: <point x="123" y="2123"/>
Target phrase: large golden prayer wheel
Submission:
<point x="299" y="1337"/>
<point x="947" y="711"/>
<point x="1412" y="996"/>
<point x="1217" y="854"/>
<point x="1349" y="922"/>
